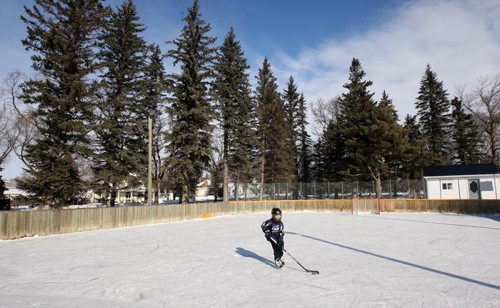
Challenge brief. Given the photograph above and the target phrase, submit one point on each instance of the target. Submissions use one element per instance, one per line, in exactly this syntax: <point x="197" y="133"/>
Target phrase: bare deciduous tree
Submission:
<point x="159" y="159"/>
<point x="483" y="101"/>
<point x="216" y="171"/>
<point x="324" y="111"/>
<point x="9" y="133"/>
<point x="21" y="115"/>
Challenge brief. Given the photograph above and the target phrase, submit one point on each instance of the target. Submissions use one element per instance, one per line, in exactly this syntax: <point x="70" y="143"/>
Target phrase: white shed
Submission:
<point x="472" y="181"/>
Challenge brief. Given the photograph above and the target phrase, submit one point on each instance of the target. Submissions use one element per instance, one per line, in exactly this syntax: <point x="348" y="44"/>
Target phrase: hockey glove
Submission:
<point x="267" y="234"/>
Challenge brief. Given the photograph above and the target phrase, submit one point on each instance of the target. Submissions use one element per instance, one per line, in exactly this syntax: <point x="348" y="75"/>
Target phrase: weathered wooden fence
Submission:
<point x="440" y="206"/>
<point x="29" y="223"/>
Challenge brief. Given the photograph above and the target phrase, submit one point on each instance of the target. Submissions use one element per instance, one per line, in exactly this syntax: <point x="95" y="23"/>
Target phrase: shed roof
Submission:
<point x="469" y="169"/>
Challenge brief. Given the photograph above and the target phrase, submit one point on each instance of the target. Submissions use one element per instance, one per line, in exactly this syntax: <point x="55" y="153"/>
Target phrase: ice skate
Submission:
<point x="279" y="263"/>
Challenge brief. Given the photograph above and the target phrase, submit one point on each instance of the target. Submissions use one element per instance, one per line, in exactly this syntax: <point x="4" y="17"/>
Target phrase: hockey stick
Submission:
<point x="305" y="269"/>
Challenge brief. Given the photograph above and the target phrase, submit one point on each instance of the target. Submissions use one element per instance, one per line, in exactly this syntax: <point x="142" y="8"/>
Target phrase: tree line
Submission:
<point x="98" y="81"/>
<point x="362" y="138"/>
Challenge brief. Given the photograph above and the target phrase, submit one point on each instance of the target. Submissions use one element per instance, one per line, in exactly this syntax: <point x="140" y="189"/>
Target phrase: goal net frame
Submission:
<point x="365" y="206"/>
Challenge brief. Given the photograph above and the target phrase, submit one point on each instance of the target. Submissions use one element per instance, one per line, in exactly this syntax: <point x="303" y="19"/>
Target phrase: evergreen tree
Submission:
<point x="388" y="108"/>
<point x="275" y="157"/>
<point x="466" y="137"/>
<point x="415" y="154"/>
<point x="291" y="98"/>
<point x="388" y="142"/>
<point x="334" y="152"/>
<point x="237" y="111"/>
<point x="2" y="186"/>
<point x="318" y="160"/>
<point x="433" y="111"/>
<point x="191" y="112"/>
<point x="299" y="140"/>
<point x="61" y="34"/>
<point x="373" y="138"/>
<point x="304" y="144"/>
<point x="357" y="110"/>
<point x="119" y="159"/>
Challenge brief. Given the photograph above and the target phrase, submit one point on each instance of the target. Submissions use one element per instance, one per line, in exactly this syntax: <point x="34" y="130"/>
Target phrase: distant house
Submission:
<point x="12" y="190"/>
<point x="202" y="188"/>
<point x="137" y="194"/>
<point x="473" y="181"/>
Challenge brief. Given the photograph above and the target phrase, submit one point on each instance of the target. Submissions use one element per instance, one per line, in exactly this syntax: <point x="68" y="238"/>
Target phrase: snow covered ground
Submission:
<point x="388" y="260"/>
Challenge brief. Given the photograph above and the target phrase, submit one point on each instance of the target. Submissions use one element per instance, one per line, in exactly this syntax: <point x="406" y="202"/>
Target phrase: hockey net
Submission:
<point x="365" y="206"/>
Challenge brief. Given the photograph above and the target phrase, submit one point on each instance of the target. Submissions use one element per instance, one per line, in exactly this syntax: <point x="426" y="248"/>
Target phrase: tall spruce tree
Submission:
<point x="304" y="141"/>
<point x="328" y="156"/>
<point x="334" y="152"/>
<point x="117" y="161"/>
<point x="237" y="112"/>
<point x="433" y="111"/>
<point x="318" y="160"/>
<point x="415" y="153"/>
<point x="388" y="143"/>
<point x="372" y="135"/>
<point x="191" y="112"/>
<point x="291" y="98"/>
<point x="387" y="107"/>
<point x="299" y="139"/>
<point x="357" y="110"/>
<point x="62" y="36"/>
<point x="466" y="138"/>
<point x="275" y="156"/>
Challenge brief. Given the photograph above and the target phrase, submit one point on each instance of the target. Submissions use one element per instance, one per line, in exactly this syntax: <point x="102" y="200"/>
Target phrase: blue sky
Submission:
<point x="263" y="26"/>
<point x="316" y="40"/>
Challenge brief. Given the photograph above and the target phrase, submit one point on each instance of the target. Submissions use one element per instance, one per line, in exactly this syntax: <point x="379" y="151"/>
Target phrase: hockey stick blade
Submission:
<point x="305" y="269"/>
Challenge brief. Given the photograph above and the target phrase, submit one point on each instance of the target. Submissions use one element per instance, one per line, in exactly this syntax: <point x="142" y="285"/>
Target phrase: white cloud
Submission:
<point x="459" y="39"/>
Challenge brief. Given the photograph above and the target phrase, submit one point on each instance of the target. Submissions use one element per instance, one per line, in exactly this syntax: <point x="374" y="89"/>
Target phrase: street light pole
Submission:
<point x="150" y="161"/>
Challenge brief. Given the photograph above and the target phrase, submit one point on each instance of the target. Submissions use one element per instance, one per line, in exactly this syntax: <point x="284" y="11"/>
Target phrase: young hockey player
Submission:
<point x="273" y="230"/>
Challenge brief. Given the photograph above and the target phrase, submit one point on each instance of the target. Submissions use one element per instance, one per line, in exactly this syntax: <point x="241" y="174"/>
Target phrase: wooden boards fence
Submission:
<point x="17" y="224"/>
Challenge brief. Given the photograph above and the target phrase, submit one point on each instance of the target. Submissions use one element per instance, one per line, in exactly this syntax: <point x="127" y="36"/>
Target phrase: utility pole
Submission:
<point x="150" y="161"/>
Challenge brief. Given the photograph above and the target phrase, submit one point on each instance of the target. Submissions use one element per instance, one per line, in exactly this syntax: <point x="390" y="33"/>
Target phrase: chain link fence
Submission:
<point x="391" y="189"/>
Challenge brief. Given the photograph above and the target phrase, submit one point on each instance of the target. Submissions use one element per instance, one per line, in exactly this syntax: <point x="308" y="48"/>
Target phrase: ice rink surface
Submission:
<point x="388" y="260"/>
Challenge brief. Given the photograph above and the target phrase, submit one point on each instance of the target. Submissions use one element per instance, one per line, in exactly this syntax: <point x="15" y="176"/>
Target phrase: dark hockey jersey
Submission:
<point x="276" y="228"/>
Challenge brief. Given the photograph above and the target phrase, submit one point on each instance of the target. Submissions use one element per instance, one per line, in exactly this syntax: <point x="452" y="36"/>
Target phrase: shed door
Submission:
<point x="474" y="192"/>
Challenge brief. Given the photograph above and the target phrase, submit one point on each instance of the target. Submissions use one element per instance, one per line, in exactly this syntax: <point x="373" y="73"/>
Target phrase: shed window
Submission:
<point x="447" y="186"/>
<point x="486" y="186"/>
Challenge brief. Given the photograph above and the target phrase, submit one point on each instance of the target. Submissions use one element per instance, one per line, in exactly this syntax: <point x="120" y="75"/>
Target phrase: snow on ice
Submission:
<point x="405" y="260"/>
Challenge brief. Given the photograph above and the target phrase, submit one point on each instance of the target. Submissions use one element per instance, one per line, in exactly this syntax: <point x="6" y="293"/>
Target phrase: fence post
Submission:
<point x="357" y="187"/>
<point x="314" y="190"/>
<point x="424" y="188"/>
<point x="274" y="191"/>
<point x="328" y="189"/>
<point x="342" y="189"/>
<point x="286" y="190"/>
<point x="390" y="188"/>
